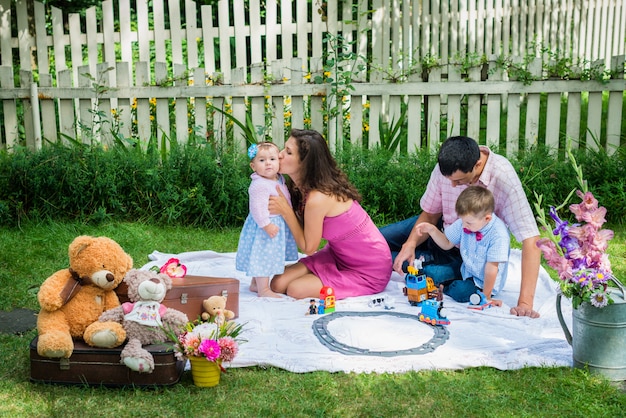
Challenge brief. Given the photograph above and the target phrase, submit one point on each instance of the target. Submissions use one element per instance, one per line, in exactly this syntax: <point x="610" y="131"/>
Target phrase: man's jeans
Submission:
<point x="444" y="267"/>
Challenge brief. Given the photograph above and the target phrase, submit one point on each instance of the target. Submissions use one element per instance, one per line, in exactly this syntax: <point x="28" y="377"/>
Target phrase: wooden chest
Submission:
<point x="188" y="293"/>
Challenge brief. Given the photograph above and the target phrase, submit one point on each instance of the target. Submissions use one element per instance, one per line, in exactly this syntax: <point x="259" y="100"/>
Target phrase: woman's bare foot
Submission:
<point x="253" y="287"/>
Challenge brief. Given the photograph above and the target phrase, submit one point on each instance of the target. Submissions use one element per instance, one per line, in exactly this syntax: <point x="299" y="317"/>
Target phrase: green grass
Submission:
<point x="30" y="254"/>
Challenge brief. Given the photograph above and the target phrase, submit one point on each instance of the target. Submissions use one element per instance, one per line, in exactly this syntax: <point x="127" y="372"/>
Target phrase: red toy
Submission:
<point x="327" y="294"/>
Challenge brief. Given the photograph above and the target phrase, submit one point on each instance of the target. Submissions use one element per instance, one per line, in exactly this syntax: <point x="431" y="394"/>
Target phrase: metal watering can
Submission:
<point x="598" y="336"/>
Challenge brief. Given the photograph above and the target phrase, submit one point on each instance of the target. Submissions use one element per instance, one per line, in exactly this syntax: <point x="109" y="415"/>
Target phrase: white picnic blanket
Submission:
<point x="280" y="334"/>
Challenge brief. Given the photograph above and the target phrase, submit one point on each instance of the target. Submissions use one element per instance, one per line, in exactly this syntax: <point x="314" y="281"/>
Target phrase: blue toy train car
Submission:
<point x="433" y="312"/>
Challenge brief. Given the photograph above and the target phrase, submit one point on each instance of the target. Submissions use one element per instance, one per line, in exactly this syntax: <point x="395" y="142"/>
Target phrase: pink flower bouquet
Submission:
<point x="216" y="342"/>
<point x="578" y="251"/>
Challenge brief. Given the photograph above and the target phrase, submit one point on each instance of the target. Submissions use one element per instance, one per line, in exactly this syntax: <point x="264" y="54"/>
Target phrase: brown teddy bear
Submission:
<point x="215" y="309"/>
<point x="73" y="299"/>
<point x="144" y="318"/>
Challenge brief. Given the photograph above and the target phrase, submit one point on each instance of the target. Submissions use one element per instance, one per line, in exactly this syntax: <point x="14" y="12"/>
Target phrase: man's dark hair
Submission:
<point x="458" y="153"/>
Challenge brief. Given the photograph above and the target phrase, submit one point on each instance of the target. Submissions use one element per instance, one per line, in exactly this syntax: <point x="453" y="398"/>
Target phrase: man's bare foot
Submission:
<point x="268" y="293"/>
<point x="253" y="287"/>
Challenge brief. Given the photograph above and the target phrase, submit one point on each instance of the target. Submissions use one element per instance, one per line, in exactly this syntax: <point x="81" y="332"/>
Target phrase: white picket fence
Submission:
<point x="170" y="59"/>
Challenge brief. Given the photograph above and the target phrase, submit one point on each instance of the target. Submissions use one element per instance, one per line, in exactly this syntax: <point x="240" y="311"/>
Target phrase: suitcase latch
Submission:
<point x="183" y="298"/>
<point x="225" y="293"/>
<point x="64" y="364"/>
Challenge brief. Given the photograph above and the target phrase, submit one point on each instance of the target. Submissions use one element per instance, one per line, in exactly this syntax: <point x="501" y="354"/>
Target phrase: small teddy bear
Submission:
<point x="72" y="299"/>
<point x="144" y="318"/>
<point x="215" y="309"/>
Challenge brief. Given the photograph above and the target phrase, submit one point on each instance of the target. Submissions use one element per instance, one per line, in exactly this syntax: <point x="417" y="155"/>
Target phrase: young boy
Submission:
<point x="483" y="240"/>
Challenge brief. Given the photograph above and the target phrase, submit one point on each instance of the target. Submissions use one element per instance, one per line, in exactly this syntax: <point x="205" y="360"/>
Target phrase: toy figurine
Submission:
<point x="479" y="302"/>
<point x="312" y="307"/>
<point x="320" y="308"/>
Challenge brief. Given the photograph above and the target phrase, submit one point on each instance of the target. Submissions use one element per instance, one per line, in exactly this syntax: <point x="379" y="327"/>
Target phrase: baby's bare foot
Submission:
<point x="268" y="293"/>
<point x="253" y="287"/>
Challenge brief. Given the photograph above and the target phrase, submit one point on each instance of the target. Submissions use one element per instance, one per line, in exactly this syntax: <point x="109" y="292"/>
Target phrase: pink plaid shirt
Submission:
<point x="500" y="177"/>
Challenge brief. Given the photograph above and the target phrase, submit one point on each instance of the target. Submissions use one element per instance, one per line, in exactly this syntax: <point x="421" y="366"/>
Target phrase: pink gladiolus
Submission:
<point x="578" y="252"/>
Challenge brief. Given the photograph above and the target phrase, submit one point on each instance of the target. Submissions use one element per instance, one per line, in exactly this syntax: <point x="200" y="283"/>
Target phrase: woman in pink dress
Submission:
<point x="356" y="260"/>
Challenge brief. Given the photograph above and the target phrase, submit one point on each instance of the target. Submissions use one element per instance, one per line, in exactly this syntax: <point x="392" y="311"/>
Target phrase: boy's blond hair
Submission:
<point x="475" y="200"/>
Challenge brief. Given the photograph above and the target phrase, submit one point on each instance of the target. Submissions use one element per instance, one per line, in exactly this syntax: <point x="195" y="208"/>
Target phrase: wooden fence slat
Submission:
<point x="143" y="31"/>
<point x="302" y="31"/>
<point x="433" y="121"/>
<point x="494" y="106"/>
<point x="158" y="19"/>
<point x="533" y="106"/>
<point x="25" y="39"/>
<point x="209" y="34"/>
<point x="48" y="111"/>
<point x="297" y="102"/>
<point x="66" y="106"/>
<point x="76" y="45"/>
<point x="92" y="39"/>
<point x="271" y="26"/>
<point x="257" y="104"/>
<point x="126" y="36"/>
<point x="224" y="40"/>
<point x="144" y="122"/>
<point x="6" y="56"/>
<point x="473" y="107"/>
<point x="279" y="72"/>
<point x="239" y="109"/>
<point x="9" y="107"/>
<point x="200" y="109"/>
<point x="615" y="105"/>
<point x="123" y="118"/>
<point x="85" y="126"/>
<point x="553" y="128"/>
<point x="43" y="60"/>
<point x="176" y="31"/>
<point x="180" y="106"/>
<point x="287" y="30"/>
<point x="241" y="51"/>
<point x="191" y="31"/>
<point x="454" y="104"/>
<point x="162" y="111"/>
<point x="256" y="32"/>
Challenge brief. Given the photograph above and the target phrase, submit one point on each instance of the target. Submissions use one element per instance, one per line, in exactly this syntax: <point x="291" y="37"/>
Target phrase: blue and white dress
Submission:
<point x="258" y="255"/>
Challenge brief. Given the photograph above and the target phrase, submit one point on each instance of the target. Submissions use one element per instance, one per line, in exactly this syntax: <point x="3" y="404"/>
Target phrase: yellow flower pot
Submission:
<point x="204" y="373"/>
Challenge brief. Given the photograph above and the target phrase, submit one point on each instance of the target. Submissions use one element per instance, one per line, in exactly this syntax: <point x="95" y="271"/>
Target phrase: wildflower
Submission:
<point x="599" y="299"/>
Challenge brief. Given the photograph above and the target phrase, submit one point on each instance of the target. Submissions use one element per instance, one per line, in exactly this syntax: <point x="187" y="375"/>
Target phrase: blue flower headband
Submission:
<point x="252" y="150"/>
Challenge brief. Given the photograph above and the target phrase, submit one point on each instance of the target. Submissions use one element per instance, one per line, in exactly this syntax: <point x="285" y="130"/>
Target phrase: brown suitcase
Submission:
<point x="187" y="293"/>
<point x="101" y="367"/>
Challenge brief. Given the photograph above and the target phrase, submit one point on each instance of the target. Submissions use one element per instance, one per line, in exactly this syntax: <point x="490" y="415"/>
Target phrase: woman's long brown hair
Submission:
<point x="319" y="171"/>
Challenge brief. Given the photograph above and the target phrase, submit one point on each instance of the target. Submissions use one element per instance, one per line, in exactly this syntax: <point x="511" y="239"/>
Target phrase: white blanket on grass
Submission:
<point x="280" y="334"/>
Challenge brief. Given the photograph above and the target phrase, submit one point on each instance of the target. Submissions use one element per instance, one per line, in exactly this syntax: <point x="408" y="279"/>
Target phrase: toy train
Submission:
<point x="479" y="302"/>
<point x="433" y="312"/>
<point x="418" y="287"/>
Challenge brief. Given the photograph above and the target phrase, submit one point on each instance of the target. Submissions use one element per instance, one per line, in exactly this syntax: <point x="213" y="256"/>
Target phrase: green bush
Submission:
<point x="205" y="186"/>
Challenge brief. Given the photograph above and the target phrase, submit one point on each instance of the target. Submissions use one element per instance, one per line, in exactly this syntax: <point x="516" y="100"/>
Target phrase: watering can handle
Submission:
<point x="568" y="335"/>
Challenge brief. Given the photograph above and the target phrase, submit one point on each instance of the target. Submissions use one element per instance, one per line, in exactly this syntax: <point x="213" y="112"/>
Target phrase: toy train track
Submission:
<point x="320" y="329"/>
